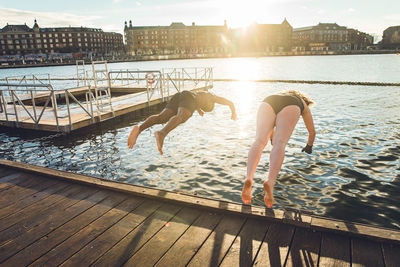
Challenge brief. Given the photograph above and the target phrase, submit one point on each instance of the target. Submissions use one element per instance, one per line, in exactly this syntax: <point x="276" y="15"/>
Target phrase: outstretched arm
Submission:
<point x="309" y="122"/>
<point x="226" y="102"/>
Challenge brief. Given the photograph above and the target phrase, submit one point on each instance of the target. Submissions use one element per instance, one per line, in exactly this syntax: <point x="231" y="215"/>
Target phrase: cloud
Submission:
<point x="138" y="3"/>
<point x="45" y="19"/>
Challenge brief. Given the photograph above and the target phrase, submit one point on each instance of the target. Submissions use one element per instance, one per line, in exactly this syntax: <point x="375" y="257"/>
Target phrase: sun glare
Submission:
<point x="242" y="14"/>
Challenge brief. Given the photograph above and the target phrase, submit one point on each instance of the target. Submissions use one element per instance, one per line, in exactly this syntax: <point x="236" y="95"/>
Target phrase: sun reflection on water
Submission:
<point x="243" y="96"/>
<point x="244" y="69"/>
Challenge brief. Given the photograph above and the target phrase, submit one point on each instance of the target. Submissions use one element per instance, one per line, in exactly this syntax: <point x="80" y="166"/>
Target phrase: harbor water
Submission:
<point x="352" y="174"/>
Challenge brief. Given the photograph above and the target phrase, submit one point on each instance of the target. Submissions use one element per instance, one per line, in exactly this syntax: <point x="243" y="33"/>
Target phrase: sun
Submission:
<point x="241" y="14"/>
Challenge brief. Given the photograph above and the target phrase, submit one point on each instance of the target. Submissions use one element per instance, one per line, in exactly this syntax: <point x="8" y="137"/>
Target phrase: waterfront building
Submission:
<point x="391" y="38"/>
<point x="263" y="38"/>
<point x="330" y="37"/>
<point x="21" y="40"/>
<point x="176" y="38"/>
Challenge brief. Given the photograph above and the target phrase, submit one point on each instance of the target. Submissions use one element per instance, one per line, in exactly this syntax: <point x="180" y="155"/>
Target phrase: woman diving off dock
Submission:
<point x="281" y="111"/>
<point x="178" y="110"/>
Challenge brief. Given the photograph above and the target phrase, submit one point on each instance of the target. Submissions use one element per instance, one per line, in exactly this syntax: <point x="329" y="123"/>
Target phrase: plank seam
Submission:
<point x="151" y="214"/>
<point x="233" y="241"/>
<point x="259" y="248"/>
<point x="212" y="231"/>
<point x="290" y="246"/>
<point x="201" y="213"/>
<point x="152" y="236"/>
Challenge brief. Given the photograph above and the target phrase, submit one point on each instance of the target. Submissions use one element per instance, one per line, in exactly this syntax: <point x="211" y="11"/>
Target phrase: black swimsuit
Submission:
<point x="278" y="102"/>
<point x="184" y="99"/>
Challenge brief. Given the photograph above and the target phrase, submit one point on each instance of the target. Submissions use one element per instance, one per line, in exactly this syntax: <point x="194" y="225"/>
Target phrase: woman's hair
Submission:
<point x="306" y="99"/>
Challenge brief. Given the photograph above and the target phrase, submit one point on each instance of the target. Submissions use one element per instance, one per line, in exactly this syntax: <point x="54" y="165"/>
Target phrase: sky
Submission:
<point x="368" y="16"/>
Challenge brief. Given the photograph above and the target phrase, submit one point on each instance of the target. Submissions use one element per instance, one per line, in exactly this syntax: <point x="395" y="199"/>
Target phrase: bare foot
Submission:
<point x="160" y="141"/>
<point x="269" y="193"/>
<point x="133" y="136"/>
<point x="246" y="192"/>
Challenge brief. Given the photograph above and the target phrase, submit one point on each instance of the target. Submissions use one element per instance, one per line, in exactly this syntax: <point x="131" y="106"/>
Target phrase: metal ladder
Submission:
<point x="102" y="90"/>
<point x="81" y="74"/>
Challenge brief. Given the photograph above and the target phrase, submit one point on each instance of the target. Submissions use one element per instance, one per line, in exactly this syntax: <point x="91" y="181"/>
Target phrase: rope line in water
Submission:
<point x="263" y="81"/>
<point x="313" y="82"/>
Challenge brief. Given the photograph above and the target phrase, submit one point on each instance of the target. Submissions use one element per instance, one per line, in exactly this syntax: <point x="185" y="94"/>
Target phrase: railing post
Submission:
<point x="183" y="78"/>
<point x="34" y="108"/>
<point x="69" y="112"/>
<point x="54" y="104"/>
<point x="148" y="96"/>
<point x="15" y="107"/>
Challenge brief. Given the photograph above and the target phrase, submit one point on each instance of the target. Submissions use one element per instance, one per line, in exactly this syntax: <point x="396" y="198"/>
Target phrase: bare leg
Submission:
<point x="265" y="124"/>
<point x="286" y="120"/>
<point x="182" y="116"/>
<point x="163" y="117"/>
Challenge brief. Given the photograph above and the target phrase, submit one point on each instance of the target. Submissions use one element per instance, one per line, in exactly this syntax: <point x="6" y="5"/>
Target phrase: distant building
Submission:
<point x="181" y="39"/>
<point x="261" y="38"/>
<point x="175" y="39"/>
<point x="330" y="37"/>
<point x="22" y="40"/>
<point x="391" y="38"/>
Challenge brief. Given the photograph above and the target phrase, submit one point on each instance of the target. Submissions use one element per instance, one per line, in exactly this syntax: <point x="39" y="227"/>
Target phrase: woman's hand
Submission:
<point x="201" y="113"/>
<point x="234" y="116"/>
<point x="307" y="149"/>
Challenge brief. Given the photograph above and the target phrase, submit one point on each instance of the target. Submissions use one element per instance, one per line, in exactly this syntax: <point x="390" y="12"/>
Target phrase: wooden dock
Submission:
<point x="33" y="103"/>
<point x="76" y="118"/>
<point x="51" y="218"/>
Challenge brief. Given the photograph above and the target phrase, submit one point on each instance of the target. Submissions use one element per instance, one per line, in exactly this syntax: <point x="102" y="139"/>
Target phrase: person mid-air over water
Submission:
<point x="178" y="110"/>
<point x="281" y="111"/>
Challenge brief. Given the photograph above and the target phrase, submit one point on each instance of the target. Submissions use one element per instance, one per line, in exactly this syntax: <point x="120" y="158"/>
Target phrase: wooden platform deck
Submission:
<point x="41" y="97"/>
<point x="52" y="218"/>
<point x="121" y="105"/>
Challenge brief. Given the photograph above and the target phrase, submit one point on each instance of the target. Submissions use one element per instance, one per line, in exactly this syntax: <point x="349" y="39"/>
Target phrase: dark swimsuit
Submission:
<point x="184" y="99"/>
<point x="278" y="102"/>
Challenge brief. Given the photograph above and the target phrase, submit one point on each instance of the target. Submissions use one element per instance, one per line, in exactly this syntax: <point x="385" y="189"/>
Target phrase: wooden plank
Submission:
<point x="391" y="255"/>
<point x="43" y="245"/>
<point x="354" y="229"/>
<point x="38" y="208"/>
<point x="28" y="187"/>
<point x="104" y="242"/>
<point x="28" y="201"/>
<point x="305" y="247"/>
<point x="366" y="253"/>
<point x="275" y="246"/>
<point x="335" y="250"/>
<point x="131" y="243"/>
<point x="46" y="224"/>
<point x="218" y="243"/>
<point x="245" y="248"/>
<point x="5" y="171"/>
<point x="11" y="180"/>
<point x="187" y="245"/>
<point x="153" y="250"/>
